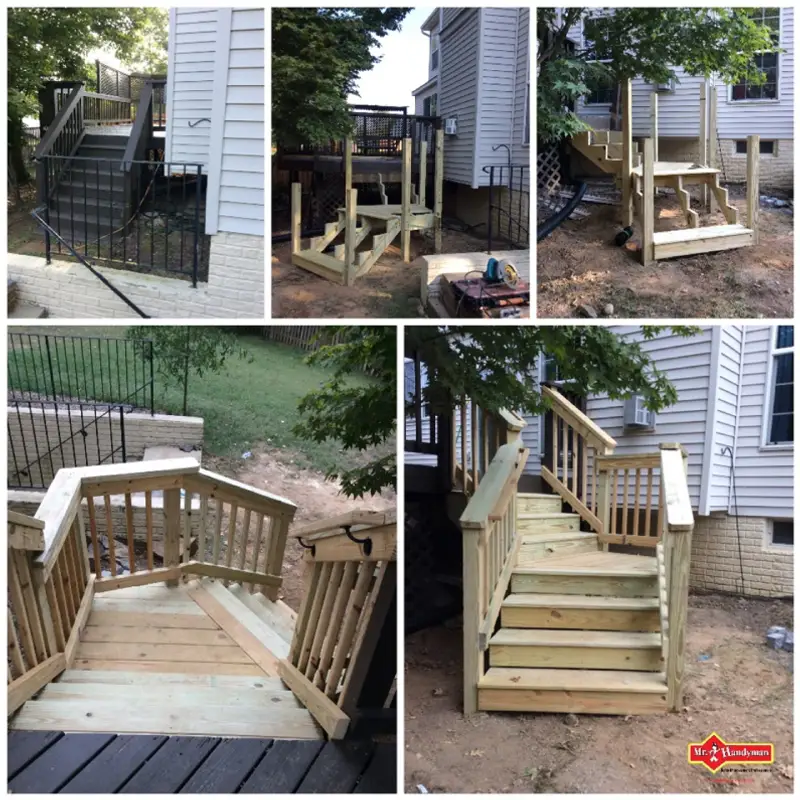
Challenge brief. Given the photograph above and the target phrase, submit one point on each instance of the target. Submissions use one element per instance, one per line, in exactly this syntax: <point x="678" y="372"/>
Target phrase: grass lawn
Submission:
<point x="251" y="402"/>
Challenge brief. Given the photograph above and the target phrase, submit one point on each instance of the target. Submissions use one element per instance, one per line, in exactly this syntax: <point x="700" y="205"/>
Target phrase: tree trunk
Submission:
<point x="16" y="159"/>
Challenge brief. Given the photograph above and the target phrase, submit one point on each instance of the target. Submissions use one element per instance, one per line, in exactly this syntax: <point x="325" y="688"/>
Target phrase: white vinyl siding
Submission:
<point x="764" y="475"/>
<point x="520" y="148"/>
<point x="458" y="82"/>
<point x="190" y="84"/>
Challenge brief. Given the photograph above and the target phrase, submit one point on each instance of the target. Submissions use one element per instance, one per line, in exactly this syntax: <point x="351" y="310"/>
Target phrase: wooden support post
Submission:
<point x="712" y="139"/>
<point x="172" y="530"/>
<point x="348" y="165"/>
<point x="627" y="155"/>
<point x="423" y="171"/>
<point x="473" y="656"/>
<point x="297" y="200"/>
<point x="648" y="209"/>
<point x="654" y="123"/>
<point x="351" y="201"/>
<point x="405" y="217"/>
<point x="679" y="545"/>
<point x="753" y="154"/>
<point x="604" y="502"/>
<point x="438" y="188"/>
<point x="703" y="141"/>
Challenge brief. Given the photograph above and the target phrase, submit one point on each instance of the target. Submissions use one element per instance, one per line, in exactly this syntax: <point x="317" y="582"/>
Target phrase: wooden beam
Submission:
<point x="137" y="579"/>
<point x="230" y="573"/>
<point x="297" y="205"/>
<point x="648" y="208"/>
<point x="332" y="719"/>
<point x="350" y="267"/>
<point x="472" y="617"/>
<point x="348" y="165"/>
<point x="24" y="687"/>
<point x="341" y="548"/>
<point x="712" y="141"/>
<point x="627" y="154"/>
<point x="753" y="156"/>
<point x="405" y="216"/>
<point x="231" y="491"/>
<point x="438" y="190"/>
<point x="654" y="123"/>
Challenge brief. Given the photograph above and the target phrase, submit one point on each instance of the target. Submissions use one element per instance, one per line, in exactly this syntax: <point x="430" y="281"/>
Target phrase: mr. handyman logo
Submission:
<point x="714" y="753"/>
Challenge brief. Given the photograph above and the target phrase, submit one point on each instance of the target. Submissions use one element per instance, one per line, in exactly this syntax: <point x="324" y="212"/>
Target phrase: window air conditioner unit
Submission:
<point x="451" y="126"/>
<point x="637" y="416"/>
<point x="669" y="86"/>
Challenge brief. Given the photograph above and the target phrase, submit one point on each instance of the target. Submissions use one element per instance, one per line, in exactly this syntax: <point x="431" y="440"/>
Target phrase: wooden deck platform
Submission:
<point x="192" y="660"/>
<point x="53" y="762"/>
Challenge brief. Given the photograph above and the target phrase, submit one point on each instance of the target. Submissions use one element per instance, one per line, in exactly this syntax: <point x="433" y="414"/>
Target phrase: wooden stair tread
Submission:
<point x="599" y="564"/>
<point x="537" y="496"/>
<point x="522" y="637"/>
<point x="556" y="536"/>
<point x="322" y="260"/>
<point x="573" y="680"/>
<point x="546" y="515"/>
<point x="695" y="234"/>
<point x="120" y="678"/>
<point x="665" y="169"/>
<point x="523" y="600"/>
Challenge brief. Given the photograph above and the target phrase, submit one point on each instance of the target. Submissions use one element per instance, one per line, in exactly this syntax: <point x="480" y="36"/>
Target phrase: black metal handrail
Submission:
<point x="67" y="121"/>
<point x="510" y="205"/>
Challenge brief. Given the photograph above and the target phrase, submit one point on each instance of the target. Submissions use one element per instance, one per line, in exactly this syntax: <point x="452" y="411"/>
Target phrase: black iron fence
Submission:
<point x="146" y="216"/>
<point x="67" y="369"/>
<point x="44" y="437"/>
<point x="509" y="204"/>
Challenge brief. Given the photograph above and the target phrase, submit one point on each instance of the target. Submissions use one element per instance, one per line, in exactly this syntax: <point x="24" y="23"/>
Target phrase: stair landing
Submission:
<point x="190" y="660"/>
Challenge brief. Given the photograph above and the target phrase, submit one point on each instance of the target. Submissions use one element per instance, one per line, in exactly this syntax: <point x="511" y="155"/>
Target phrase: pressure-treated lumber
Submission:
<point x="627" y="153"/>
<point x="648" y="209"/>
<point x="32" y="681"/>
<point x="351" y="202"/>
<point x="703" y="141"/>
<point x="405" y="219"/>
<point x="713" y="238"/>
<point x="297" y="205"/>
<point x="753" y="155"/>
<point x="332" y="719"/>
<point x="438" y="190"/>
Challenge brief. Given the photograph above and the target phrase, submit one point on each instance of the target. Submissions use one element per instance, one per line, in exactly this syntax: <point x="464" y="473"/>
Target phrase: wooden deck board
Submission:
<point x="92" y="763"/>
<point x="574" y="680"/>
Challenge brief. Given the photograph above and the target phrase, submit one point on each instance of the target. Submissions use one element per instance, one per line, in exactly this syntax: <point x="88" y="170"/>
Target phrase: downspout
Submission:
<point x="478" y="98"/>
<point x="735" y="447"/>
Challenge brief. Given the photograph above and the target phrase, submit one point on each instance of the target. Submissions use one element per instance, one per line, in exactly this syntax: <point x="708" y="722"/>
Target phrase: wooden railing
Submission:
<point x="350" y="583"/>
<point x="678" y="526"/>
<point x="576" y="443"/>
<point x="628" y="498"/>
<point x="490" y="546"/>
<point x="477" y="435"/>
<point x="51" y="585"/>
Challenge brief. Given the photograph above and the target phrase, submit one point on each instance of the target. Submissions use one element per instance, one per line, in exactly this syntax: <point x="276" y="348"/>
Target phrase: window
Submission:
<point x="781" y="418"/>
<point x="429" y="106"/>
<point x="766" y="62"/>
<point x="782" y="532"/>
<point x="434" y="52"/>
<point x="767" y="148"/>
<point x="603" y="94"/>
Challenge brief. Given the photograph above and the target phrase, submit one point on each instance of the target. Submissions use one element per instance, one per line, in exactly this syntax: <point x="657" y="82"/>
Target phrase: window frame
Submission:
<point x="586" y="103"/>
<point x="770" y="537"/>
<point x="769" y="396"/>
<point x="778" y="72"/>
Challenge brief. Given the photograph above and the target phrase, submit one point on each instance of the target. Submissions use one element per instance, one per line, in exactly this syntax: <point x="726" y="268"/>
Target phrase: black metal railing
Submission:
<point x="112" y="81"/>
<point x="143" y="215"/>
<point x="509" y="204"/>
<point x="44" y="437"/>
<point x="69" y="369"/>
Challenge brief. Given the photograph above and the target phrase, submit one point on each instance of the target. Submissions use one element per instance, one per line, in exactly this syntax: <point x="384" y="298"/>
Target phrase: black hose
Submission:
<point x="285" y="237"/>
<point x="544" y="230"/>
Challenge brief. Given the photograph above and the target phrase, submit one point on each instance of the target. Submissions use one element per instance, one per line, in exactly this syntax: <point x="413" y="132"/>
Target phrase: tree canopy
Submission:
<point x="53" y="43"/>
<point x="639" y="42"/>
<point x="317" y="55"/>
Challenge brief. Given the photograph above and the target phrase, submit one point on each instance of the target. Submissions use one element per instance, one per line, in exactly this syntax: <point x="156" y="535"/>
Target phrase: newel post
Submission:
<point x="603" y="500"/>
<point x="473" y="656"/>
<point x="172" y="530"/>
<point x="679" y="523"/>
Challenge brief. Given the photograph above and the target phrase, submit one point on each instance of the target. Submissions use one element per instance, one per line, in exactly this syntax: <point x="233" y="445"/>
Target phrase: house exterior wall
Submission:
<point x="520" y="147"/>
<point x="460" y="45"/>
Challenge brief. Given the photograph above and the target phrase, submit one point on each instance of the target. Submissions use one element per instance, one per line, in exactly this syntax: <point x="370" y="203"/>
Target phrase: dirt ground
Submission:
<point x="390" y="289"/>
<point x="316" y="498"/>
<point x="579" y="264"/>
<point x="735" y="686"/>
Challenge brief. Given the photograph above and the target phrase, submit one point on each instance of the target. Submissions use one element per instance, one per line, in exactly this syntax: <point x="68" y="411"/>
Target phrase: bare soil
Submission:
<point x="390" y="289"/>
<point x="579" y="265"/>
<point x="735" y="685"/>
<point x="316" y="498"/>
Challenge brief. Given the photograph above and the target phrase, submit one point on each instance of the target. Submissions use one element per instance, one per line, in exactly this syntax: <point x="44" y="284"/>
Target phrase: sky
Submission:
<point x="403" y="66"/>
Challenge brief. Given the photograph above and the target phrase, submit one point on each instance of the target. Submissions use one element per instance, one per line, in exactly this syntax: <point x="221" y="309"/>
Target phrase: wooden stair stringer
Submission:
<point x="731" y="213"/>
<point x="379" y="244"/>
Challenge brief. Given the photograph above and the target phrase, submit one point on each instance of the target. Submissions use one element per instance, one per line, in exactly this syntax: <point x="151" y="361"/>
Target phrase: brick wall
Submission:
<point x="41" y="431"/>
<point x="715" y="558"/>
<point x="235" y="288"/>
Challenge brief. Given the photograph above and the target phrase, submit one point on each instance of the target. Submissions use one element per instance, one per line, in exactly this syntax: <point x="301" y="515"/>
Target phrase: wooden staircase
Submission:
<point x="602" y="148"/>
<point x="580" y="630"/>
<point x="376" y="228"/>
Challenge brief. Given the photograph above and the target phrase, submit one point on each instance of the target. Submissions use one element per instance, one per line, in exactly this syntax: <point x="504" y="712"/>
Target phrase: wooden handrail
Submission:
<point x="484" y="502"/>
<point x="678" y="524"/>
<point x="59" y="122"/>
<point x="592" y="432"/>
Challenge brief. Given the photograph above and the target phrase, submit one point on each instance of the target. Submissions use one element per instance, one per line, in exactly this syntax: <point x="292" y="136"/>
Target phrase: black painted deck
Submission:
<point x="84" y="763"/>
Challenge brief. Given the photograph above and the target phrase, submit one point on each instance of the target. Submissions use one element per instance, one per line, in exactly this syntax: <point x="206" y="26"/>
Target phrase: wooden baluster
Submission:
<point x="245" y="538"/>
<point x="14" y="651"/>
<point x="625" y="503"/>
<point x="231" y="537"/>
<point x="84" y="548"/>
<point x="576" y="489"/>
<point x="98" y="568"/>
<point x="595" y="482"/>
<point x="201" y="534"/>
<point x="257" y="547"/>
<point x="60" y="629"/>
<point x="217" y="532"/>
<point x="148" y="516"/>
<point x="64" y="610"/>
<point x="24" y="623"/>
<point x="172" y="530"/>
<point x="129" y="531"/>
<point x="279" y="531"/>
<point x="474" y="446"/>
<point x="187" y="526"/>
<point x="112" y="552"/>
<point x="584" y="484"/>
<point x="485" y="441"/>
<point x="68" y="562"/>
<point x="613" y="475"/>
<point x="324" y="620"/>
<point x="637" y="504"/>
<point x="334" y="627"/>
<point x="73" y="555"/>
<point x="310" y="587"/>
<point x="464" y="473"/>
<point x="649" y="502"/>
<point x="565" y="453"/>
<point x="554" y="419"/>
<point x="314" y="616"/>
<point x="66" y="590"/>
<point x="660" y="521"/>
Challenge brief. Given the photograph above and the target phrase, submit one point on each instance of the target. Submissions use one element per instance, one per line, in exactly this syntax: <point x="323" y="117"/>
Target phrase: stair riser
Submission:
<point x="585" y="584"/>
<point x="587" y="619"/>
<point x="555" y="525"/>
<point x="641" y="659"/>
<point x="559" y="702"/>
<point x="539" y="505"/>
<point x="90" y="191"/>
<point x="530" y="552"/>
<point x="105" y="155"/>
